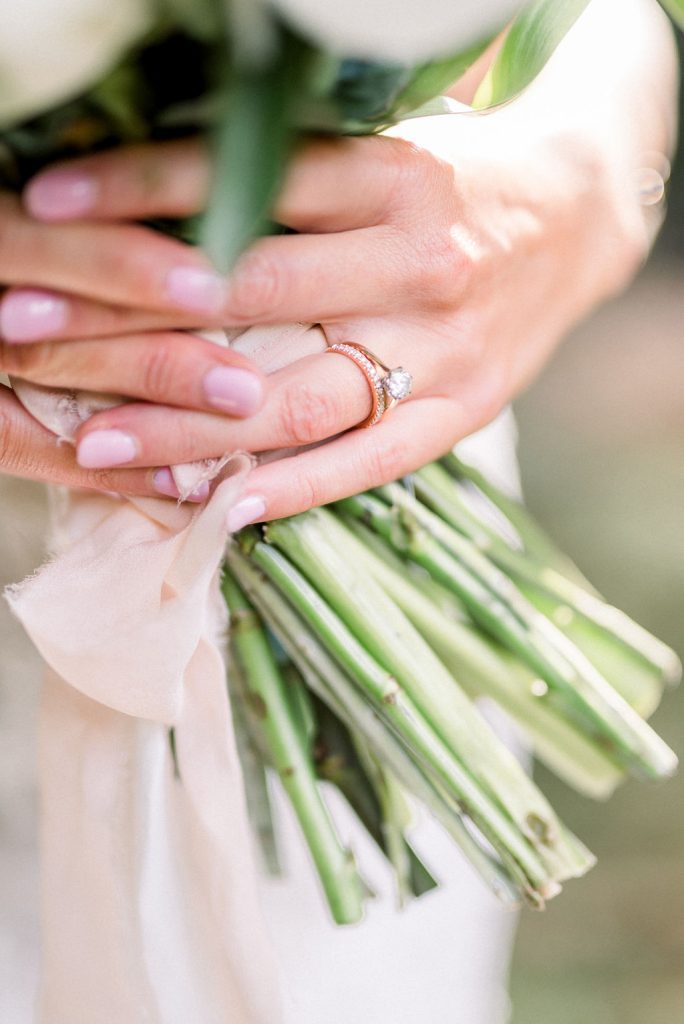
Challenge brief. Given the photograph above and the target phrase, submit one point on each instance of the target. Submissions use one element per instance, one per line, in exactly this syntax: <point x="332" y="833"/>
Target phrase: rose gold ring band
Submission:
<point x="387" y="386"/>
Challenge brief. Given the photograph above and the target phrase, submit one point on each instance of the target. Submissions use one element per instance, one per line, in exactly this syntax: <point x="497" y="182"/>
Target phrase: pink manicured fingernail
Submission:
<point x="249" y="510"/>
<point x="163" y="482"/>
<point x="61" y="195"/>
<point x="29" y="314"/>
<point x="235" y="391"/>
<point x="105" y="448"/>
<point x="199" y="291"/>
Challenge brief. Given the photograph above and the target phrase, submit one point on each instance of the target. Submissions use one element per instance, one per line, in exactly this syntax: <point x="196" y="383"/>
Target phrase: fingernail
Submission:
<point x="199" y="291"/>
<point x="105" y="448"/>
<point x="163" y="482"/>
<point x="61" y="195"/>
<point x="30" y="315"/>
<point x="232" y="390"/>
<point x="249" y="510"/>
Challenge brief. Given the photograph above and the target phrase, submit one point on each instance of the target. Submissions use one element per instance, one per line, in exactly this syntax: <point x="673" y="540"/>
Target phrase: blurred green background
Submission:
<point x="602" y="453"/>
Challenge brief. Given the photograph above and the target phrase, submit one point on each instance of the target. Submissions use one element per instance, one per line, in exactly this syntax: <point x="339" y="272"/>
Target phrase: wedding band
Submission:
<point x="387" y="386"/>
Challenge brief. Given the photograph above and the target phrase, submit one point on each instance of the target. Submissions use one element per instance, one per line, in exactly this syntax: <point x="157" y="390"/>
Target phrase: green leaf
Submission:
<point x="675" y="8"/>
<point x="361" y="97"/>
<point x="252" y="145"/>
<point x="530" y="42"/>
<point x="429" y="80"/>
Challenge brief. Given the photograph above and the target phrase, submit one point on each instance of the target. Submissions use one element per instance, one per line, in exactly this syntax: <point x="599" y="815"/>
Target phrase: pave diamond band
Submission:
<point x="387" y="386"/>
<point x="374" y="378"/>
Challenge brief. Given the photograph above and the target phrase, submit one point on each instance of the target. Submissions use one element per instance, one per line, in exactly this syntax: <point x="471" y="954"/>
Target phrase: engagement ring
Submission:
<point x="387" y="386"/>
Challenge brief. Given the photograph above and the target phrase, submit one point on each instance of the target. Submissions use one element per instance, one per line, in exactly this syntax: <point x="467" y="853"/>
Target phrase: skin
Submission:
<point x="463" y="250"/>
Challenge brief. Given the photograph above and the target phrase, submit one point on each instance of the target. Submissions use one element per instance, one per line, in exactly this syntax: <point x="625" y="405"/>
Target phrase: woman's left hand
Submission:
<point x="462" y="254"/>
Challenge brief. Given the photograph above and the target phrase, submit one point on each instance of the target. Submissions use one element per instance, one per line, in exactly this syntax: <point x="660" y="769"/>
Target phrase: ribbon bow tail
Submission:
<point x="149" y="891"/>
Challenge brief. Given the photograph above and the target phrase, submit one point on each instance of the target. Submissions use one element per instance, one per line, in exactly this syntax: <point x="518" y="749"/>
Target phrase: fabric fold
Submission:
<point x="150" y="902"/>
<point x="149" y="890"/>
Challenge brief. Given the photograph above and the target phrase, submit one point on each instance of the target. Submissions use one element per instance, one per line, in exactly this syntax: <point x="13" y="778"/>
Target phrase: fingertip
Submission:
<point x="250" y="509"/>
<point x="164" y="483"/>
<point x="31" y="314"/>
<point x="61" y="194"/>
<point x="105" y="449"/>
<point x="234" y="390"/>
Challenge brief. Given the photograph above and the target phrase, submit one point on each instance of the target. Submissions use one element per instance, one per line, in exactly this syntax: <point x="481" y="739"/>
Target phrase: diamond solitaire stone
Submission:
<point x="398" y="383"/>
<point x="387" y="386"/>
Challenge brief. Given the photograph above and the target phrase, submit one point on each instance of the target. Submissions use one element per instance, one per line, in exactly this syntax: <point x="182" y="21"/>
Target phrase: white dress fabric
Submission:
<point x="151" y="906"/>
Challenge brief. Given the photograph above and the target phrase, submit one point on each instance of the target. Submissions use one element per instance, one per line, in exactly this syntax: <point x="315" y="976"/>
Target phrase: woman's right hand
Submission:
<point x="152" y="364"/>
<point x="29" y="450"/>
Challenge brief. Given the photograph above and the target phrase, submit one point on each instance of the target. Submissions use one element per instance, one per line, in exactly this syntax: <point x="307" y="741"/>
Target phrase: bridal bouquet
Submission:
<point x="362" y="636"/>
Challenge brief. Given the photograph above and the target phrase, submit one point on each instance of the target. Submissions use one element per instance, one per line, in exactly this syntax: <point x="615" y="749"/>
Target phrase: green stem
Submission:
<point x="252" y="760"/>
<point x="442" y="494"/>
<point x="282" y="734"/>
<point x="638" y="681"/>
<point x="484" y="669"/>
<point x="411" y="686"/>
<point x="498" y="606"/>
<point x="535" y="541"/>
<point x="328" y="680"/>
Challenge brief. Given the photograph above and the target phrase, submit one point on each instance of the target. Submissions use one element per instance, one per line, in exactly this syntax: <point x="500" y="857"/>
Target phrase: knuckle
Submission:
<point x="258" y="286"/>
<point x="408" y="165"/>
<point x="27" y="361"/>
<point x="384" y="462"/>
<point x="103" y="479"/>
<point x="310" y="493"/>
<point x="443" y="268"/>
<point x="307" y="414"/>
<point x="157" y="372"/>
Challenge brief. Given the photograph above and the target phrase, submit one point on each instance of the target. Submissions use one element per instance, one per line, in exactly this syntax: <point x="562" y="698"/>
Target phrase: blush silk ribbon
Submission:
<point x="150" y="905"/>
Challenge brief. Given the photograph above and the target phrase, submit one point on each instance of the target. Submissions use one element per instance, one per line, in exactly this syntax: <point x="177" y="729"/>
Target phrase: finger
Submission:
<point x="28" y="315"/>
<point x="347" y="183"/>
<point x="331" y="184"/>
<point x="301" y="277"/>
<point x="309" y="401"/>
<point x="412" y="436"/>
<point x="169" y="367"/>
<point x="161" y="179"/>
<point x="29" y="450"/>
<point x="326" y="278"/>
<point x="312" y="399"/>
<point x="123" y="265"/>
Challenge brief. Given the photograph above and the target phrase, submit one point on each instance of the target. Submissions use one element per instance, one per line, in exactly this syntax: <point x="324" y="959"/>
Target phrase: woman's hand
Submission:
<point x="29" y="450"/>
<point x="93" y="264"/>
<point x="462" y="255"/>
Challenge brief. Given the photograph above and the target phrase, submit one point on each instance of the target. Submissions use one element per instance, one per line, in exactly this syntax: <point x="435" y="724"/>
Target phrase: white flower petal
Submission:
<point x="407" y="31"/>
<point x="51" y="49"/>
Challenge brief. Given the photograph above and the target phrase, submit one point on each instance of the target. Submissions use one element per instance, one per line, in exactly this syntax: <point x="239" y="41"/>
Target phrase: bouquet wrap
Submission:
<point x="141" y="875"/>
